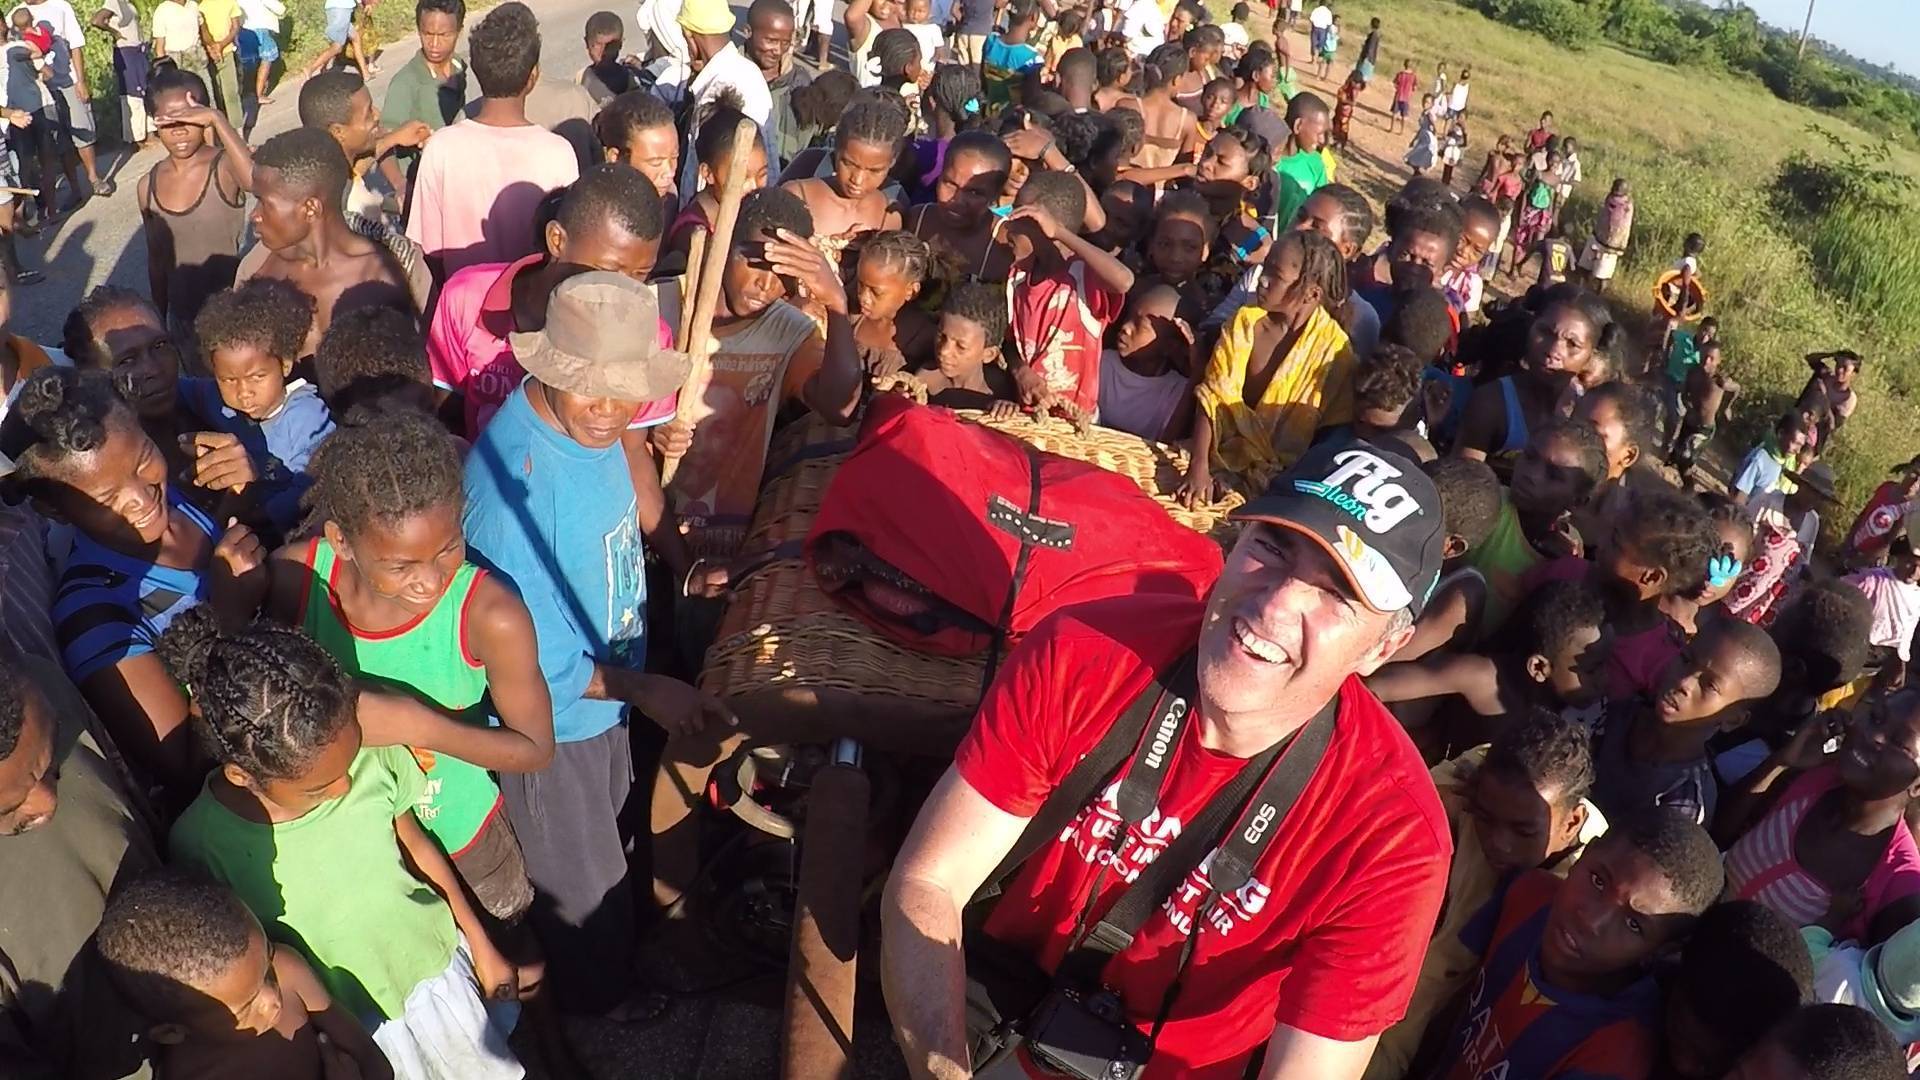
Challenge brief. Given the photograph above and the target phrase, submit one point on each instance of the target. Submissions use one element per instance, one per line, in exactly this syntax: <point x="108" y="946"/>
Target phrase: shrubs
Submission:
<point x="1855" y="211"/>
<point x="1567" y="23"/>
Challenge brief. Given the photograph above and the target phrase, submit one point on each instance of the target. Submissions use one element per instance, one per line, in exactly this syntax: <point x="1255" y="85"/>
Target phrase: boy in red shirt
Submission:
<point x="1064" y="290"/>
<point x="1565" y="987"/>
<point x="1404" y="85"/>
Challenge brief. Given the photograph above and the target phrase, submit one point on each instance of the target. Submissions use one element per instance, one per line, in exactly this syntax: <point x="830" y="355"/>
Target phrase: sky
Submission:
<point x="1883" y="31"/>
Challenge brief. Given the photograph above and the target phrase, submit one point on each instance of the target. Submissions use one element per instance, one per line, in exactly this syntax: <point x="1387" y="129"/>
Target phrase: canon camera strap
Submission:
<point x="1171" y="691"/>
<point x="1258" y="821"/>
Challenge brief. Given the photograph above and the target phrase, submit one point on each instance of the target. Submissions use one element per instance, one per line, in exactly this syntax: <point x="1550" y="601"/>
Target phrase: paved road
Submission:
<point x="102" y="242"/>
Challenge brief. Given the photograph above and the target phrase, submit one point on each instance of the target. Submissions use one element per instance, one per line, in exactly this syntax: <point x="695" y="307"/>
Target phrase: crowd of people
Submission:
<point x="343" y="572"/>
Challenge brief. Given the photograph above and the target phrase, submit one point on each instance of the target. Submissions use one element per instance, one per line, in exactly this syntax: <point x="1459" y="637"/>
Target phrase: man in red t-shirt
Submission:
<point x="1318" y="951"/>
<point x="1537" y="138"/>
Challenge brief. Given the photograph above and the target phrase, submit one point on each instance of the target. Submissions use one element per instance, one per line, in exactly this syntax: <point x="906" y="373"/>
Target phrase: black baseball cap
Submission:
<point x="1373" y="509"/>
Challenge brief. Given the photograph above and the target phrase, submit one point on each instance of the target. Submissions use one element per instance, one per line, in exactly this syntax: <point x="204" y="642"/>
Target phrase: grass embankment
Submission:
<point x="1701" y="152"/>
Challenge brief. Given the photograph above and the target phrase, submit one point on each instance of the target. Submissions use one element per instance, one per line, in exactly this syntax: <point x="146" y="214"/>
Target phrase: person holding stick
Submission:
<point x="767" y="357"/>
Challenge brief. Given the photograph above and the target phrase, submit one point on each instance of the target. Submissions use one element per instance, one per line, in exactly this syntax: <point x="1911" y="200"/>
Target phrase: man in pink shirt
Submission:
<point x="480" y="182"/>
<point x="611" y="220"/>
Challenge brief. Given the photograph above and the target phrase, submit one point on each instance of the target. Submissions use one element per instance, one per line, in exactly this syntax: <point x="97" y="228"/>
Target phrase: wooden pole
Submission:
<point x="817" y="1026"/>
<point x="1805" y="29"/>
<point x="696" y="253"/>
<point x="706" y="290"/>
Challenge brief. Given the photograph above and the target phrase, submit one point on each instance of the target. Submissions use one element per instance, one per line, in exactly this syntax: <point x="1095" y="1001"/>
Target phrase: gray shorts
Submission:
<point x="76" y="117"/>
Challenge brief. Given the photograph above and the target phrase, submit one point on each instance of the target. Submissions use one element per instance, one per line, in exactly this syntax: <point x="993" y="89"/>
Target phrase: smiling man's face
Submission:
<point x="1283" y="625"/>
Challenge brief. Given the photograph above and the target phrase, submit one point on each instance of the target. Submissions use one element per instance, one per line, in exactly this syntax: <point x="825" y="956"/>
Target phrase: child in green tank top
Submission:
<point x="387" y="590"/>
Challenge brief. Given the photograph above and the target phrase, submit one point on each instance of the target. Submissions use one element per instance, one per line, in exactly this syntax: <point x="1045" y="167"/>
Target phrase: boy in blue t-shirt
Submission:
<point x="1683" y="355"/>
<point x="1008" y="59"/>
<point x="251" y="337"/>
<point x="1760" y="483"/>
<point x="551" y="509"/>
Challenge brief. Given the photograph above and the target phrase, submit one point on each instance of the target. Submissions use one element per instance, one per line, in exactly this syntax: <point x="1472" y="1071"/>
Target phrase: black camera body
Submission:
<point x="1086" y="1036"/>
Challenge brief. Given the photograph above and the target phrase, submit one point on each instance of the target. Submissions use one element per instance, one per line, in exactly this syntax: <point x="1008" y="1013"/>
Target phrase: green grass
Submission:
<point x="1701" y="150"/>
<point x="1886" y="285"/>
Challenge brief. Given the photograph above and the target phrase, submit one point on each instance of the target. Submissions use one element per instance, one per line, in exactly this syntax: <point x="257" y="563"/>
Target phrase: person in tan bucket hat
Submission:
<point x="601" y="342"/>
<point x="551" y="510"/>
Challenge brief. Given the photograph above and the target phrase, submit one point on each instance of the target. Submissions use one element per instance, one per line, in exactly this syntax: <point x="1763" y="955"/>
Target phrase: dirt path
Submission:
<point x="1373" y="161"/>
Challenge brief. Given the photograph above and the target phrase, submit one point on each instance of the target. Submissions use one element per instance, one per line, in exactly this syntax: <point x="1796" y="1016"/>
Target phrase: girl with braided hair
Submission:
<point x="848" y="199"/>
<point x="902" y="71"/>
<point x="1113" y="71"/>
<point x="1205" y="45"/>
<point x="317" y="835"/>
<point x="142" y="555"/>
<point x="384" y="585"/>
<point x="890" y="333"/>
<point x="1283" y="368"/>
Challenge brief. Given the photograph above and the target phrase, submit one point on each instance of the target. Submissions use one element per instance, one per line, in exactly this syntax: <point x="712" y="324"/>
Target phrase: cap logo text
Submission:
<point x="1362" y="484"/>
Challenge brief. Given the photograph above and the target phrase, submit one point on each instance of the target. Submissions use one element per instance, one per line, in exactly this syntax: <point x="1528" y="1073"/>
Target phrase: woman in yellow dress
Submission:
<point x="1282" y="370"/>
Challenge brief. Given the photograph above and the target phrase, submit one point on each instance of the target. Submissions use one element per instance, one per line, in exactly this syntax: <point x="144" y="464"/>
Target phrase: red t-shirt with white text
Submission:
<point x="1328" y="934"/>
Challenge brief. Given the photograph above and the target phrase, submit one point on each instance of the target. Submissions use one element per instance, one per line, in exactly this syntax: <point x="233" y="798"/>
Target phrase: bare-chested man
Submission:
<point x="298" y="178"/>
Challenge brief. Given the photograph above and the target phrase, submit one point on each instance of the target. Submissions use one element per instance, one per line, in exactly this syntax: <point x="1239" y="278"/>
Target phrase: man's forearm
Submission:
<point x="657" y="521"/>
<point x="924" y="977"/>
<point x="840" y="375"/>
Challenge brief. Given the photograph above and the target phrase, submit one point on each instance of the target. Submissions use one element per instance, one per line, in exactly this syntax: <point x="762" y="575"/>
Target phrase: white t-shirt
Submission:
<point x="1459" y="103"/>
<point x="1143" y="26"/>
<point x="59" y="15"/>
<point x="124" y="21"/>
<point x="1896" y="608"/>
<point x="262" y="14"/>
<point x="930" y="39"/>
<point x="1320" y="17"/>
<point x="1135" y="403"/>
<point x="1235" y="35"/>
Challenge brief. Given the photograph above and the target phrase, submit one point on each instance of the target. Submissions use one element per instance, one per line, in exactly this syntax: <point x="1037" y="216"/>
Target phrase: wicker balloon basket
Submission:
<point x="782" y="633"/>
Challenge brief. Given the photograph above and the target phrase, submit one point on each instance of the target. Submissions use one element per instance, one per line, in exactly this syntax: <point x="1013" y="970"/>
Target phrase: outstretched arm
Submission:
<point x="956" y="842"/>
<point x="857" y="15"/>
<point x="1437" y="676"/>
